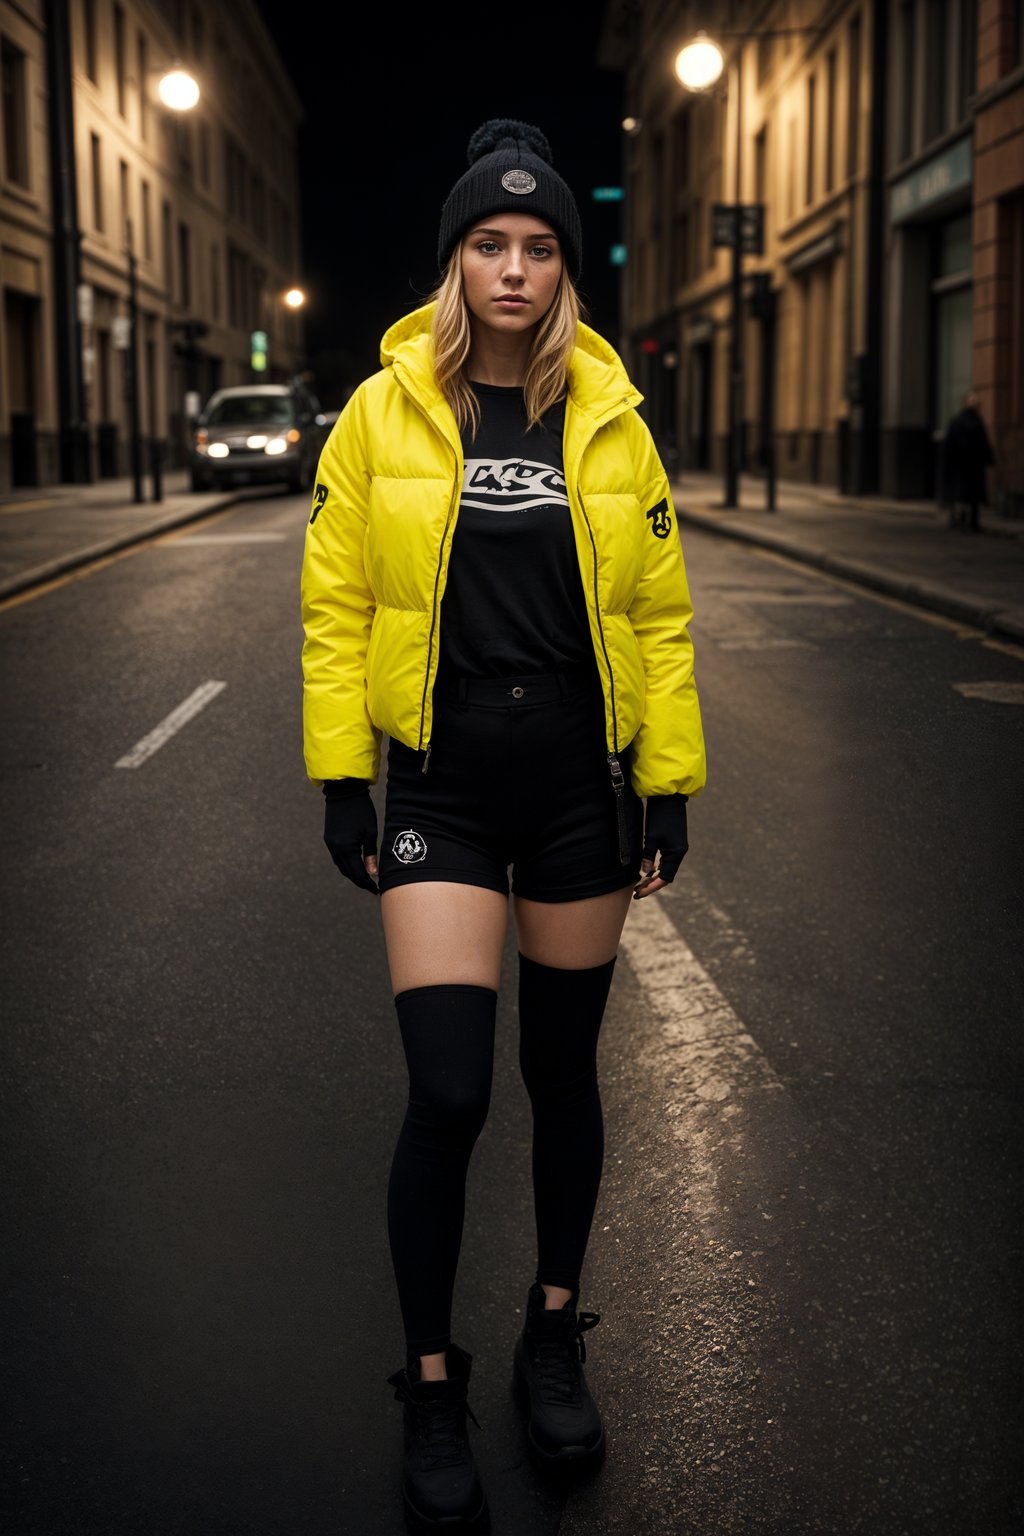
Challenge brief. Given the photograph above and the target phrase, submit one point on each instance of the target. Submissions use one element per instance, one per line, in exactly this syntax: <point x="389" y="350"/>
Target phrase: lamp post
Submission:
<point x="699" y="66"/>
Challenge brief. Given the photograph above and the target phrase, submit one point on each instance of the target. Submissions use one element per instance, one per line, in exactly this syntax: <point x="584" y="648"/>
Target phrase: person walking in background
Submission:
<point x="966" y="454"/>
<point x="493" y="578"/>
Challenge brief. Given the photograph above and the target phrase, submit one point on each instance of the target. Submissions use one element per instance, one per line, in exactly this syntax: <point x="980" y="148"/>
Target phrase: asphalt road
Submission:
<point x="807" y="1248"/>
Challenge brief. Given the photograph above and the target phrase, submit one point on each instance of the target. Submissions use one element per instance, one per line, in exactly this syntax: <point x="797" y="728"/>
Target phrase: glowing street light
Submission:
<point x="700" y="64"/>
<point x="295" y="298"/>
<point x="178" y="89"/>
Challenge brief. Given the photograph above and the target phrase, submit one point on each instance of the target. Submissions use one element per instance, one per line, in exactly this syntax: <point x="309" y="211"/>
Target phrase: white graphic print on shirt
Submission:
<point x="512" y="485"/>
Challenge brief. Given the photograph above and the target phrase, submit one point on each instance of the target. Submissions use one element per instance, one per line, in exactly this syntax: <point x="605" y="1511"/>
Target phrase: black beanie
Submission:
<point x="510" y="171"/>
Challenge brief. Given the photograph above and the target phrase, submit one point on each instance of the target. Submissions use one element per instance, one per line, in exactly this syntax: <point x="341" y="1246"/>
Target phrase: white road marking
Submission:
<point x="711" y="1072"/>
<point x="992" y="693"/>
<point x="227" y="538"/>
<point x="169" y="726"/>
<point x="693" y="1012"/>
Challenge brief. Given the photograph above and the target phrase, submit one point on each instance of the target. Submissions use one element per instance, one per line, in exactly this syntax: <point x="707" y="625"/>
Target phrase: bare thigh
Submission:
<point x="572" y="935"/>
<point x="438" y="932"/>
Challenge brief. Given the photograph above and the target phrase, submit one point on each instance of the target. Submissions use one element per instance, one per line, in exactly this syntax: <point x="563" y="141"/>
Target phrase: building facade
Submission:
<point x="999" y="242"/>
<point x="97" y="177"/>
<point x="885" y="142"/>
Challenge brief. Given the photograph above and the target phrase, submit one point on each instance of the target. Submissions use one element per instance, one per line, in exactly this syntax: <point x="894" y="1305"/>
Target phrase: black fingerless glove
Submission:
<point x="350" y="828"/>
<point x="665" y="833"/>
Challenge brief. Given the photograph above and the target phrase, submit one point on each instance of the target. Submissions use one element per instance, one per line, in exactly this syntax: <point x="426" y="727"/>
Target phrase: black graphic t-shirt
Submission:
<point x="514" y="599"/>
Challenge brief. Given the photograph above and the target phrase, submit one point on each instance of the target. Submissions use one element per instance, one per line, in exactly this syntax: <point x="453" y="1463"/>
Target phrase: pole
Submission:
<point x="735" y="452"/>
<point x="75" y="468"/>
<point x="132" y="363"/>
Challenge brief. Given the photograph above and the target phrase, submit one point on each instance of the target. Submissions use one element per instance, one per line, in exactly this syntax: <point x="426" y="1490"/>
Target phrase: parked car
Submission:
<point x="256" y="433"/>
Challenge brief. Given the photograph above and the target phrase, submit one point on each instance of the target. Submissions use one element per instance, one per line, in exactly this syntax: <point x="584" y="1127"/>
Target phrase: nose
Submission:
<point x="513" y="264"/>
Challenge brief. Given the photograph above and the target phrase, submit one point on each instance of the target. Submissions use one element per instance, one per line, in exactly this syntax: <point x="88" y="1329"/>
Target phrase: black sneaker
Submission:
<point x="440" y="1482"/>
<point x="563" y="1422"/>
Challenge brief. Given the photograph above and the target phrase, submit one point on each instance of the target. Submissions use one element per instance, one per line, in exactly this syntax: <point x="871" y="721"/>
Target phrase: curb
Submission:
<point x="1008" y="623"/>
<point x="60" y="565"/>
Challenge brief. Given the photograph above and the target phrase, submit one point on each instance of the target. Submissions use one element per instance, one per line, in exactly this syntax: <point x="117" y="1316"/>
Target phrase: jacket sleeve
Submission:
<point x="339" y="739"/>
<point x="668" y="749"/>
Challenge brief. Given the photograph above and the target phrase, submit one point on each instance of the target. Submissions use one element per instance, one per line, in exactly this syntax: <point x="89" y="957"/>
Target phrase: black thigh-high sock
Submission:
<point x="448" y="1035"/>
<point x="560" y="1015"/>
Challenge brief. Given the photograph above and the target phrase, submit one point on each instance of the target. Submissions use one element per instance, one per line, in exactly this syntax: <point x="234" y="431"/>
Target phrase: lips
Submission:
<point x="510" y="299"/>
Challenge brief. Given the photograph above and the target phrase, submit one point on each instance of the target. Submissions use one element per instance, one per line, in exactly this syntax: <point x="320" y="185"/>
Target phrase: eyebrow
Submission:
<point x="483" y="230"/>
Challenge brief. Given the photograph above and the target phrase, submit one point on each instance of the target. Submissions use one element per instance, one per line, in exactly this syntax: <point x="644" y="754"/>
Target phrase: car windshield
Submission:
<point x="251" y="410"/>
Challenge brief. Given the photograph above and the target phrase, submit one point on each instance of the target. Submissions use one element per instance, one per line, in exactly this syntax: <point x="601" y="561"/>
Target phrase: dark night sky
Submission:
<point x="389" y="111"/>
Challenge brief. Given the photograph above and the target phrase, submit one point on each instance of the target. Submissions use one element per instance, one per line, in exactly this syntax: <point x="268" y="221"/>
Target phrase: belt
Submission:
<point x="533" y="688"/>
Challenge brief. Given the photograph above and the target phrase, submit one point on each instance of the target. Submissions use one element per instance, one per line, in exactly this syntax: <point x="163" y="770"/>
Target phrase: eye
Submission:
<point x="482" y="243"/>
<point x="545" y="250"/>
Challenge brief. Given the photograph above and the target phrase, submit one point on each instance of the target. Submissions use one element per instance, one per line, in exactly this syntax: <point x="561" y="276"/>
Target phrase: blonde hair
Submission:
<point x="547" y="370"/>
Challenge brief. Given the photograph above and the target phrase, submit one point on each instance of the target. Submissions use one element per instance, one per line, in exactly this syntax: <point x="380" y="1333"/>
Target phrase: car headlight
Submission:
<point x="277" y="445"/>
<point x="218" y="450"/>
<point x="259" y="441"/>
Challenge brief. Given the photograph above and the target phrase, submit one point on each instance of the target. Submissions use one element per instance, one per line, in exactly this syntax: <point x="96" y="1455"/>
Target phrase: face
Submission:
<point x="511" y="263"/>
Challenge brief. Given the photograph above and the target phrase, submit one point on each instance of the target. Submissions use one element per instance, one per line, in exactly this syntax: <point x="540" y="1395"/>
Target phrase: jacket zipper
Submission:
<point x="614" y="766"/>
<point x="433" y="618"/>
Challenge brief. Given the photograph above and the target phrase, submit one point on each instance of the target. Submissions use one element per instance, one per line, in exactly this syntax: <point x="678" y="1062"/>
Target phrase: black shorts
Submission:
<point x="518" y="776"/>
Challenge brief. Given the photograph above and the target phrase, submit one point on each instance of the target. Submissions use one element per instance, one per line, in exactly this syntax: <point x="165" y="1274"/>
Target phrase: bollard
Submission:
<point x="155" y="464"/>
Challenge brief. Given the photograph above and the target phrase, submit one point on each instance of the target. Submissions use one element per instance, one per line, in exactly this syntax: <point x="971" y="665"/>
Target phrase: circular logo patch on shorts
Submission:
<point x="518" y="182"/>
<point x="409" y="847"/>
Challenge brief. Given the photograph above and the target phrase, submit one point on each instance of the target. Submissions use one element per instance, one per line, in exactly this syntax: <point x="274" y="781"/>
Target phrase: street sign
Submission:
<point x="608" y="194"/>
<point x="121" y="332"/>
<point x="617" y="255"/>
<point x="723" y="226"/>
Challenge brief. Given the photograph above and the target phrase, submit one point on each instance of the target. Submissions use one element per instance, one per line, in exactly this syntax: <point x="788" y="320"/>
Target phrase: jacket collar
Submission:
<point x="599" y="386"/>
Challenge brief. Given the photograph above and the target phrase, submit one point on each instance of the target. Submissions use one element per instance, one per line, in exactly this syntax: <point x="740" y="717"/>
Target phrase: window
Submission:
<point x="204" y="153"/>
<point x="698" y="263"/>
<point x="259" y="208"/>
<point x="936" y="94"/>
<point x="168" y="251"/>
<point x="853" y="96"/>
<point x="761" y="175"/>
<point x="234" y="176"/>
<point x="967" y="82"/>
<point x="119" y="58"/>
<point x="657" y="187"/>
<point x="215" y="282"/>
<point x="906" y="78"/>
<point x="683" y="149"/>
<point x="830" y="121"/>
<point x="126" y="211"/>
<point x="89" y="18"/>
<point x="12" y="66"/>
<point x="147" y="224"/>
<point x="142" y="63"/>
<point x="764" y="59"/>
<point x="681" y="274"/>
<point x="791" y="169"/>
<point x="184" y="266"/>
<point x="809" y="177"/>
<point x="97" y="181"/>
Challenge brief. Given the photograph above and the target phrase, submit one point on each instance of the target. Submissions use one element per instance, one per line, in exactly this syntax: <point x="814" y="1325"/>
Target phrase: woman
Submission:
<point x="494" y="579"/>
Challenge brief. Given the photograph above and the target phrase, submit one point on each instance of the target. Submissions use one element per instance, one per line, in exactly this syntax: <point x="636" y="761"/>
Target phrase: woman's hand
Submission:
<point x="664" y="836"/>
<point x="350" y="830"/>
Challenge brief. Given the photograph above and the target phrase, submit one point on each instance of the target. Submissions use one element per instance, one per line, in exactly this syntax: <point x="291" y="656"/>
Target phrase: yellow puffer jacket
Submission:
<point x="376" y="557"/>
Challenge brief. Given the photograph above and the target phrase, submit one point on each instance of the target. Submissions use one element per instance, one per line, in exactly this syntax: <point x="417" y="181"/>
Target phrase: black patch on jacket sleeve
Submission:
<point x="661" y="521"/>
<point x="319" y="497"/>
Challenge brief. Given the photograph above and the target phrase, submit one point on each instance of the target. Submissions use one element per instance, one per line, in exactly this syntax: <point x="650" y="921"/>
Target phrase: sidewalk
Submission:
<point x="904" y="549"/>
<point x="48" y="530"/>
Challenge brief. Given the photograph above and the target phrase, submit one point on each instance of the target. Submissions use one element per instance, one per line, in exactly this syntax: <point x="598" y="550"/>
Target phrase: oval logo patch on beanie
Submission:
<point x="519" y="182"/>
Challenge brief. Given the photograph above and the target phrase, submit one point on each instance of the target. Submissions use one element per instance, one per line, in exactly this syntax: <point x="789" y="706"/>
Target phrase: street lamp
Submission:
<point x="295" y="298"/>
<point x="177" y="89"/>
<point x="699" y="66"/>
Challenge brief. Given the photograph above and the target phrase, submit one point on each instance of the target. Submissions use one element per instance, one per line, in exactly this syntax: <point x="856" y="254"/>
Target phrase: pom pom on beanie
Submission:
<point x="511" y="171"/>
